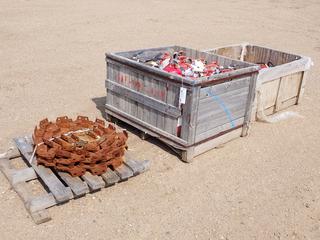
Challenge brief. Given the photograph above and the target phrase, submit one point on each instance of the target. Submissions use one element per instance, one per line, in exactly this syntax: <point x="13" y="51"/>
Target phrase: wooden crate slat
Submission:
<point x="94" y="182"/>
<point x="59" y="191"/>
<point x="143" y="99"/>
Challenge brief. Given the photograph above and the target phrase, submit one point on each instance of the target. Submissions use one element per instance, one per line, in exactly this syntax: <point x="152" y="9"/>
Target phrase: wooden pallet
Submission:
<point x="60" y="186"/>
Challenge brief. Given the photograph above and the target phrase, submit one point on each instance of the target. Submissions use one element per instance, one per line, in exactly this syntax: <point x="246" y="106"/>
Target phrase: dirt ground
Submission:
<point x="265" y="186"/>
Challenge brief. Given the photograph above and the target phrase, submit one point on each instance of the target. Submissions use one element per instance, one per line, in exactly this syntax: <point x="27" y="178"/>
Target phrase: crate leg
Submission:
<point x="245" y="129"/>
<point x="187" y="155"/>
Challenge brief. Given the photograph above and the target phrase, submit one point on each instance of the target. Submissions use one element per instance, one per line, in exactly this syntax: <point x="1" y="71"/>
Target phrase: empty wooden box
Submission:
<point x="277" y="87"/>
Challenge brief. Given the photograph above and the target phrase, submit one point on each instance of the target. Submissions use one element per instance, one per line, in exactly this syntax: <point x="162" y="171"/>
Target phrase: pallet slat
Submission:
<point x="78" y="187"/>
<point x="110" y="177"/>
<point x="16" y="175"/>
<point x="124" y="172"/>
<point x="42" y="202"/>
<point x="59" y="191"/>
<point x="95" y="183"/>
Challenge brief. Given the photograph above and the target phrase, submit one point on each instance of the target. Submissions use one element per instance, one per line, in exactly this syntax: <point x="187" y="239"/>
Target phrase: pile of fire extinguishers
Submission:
<point x="178" y="63"/>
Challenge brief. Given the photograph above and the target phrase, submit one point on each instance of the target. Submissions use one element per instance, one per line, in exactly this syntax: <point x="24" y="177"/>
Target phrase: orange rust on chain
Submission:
<point x="79" y="146"/>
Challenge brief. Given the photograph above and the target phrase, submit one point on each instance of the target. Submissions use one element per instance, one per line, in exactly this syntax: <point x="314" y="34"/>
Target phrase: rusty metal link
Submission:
<point x="79" y="146"/>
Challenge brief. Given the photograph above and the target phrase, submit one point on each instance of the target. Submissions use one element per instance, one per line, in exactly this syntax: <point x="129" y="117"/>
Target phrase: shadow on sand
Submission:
<point x="100" y="105"/>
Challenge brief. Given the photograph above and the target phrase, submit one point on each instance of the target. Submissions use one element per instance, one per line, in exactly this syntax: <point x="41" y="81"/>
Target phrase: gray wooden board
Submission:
<point x="143" y="99"/>
<point x="78" y="187"/>
<point x="35" y="205"/>
<point x="110" y="177"/>
<point x="16" y="175"/>
<point x="215" y="121"/>
<point x="59" y="191"/>
<point x="232" y="94"/>
<point x="18" y="182"/>
<point x="124" y="172"/>
<point x="142" y="125"/>
<point x="42" y="202"/>
<point x="214" y="131"/>
<point x="218" y="111"/>
<point x="40" y="216"/>
<point x="226" y="87"/>
<point x="222" y="104"/>
<point x="94" y="182"/>
<point x="135" y="166"/>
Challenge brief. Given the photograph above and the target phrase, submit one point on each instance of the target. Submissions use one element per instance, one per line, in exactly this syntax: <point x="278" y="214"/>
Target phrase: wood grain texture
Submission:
<point x="94" y="182"/>
<point x="149" y="98"/>
<point x="59" y="191"/>
<point x="279" y="84"/>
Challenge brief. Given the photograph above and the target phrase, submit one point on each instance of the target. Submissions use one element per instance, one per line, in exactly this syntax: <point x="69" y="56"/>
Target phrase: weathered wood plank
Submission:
<point x="289" y="88"/>
<point x="110" y="177"/>
<point x="16" y="175"/>
<point x="302" y="86"/>
<point x="60" y="192"/>
<point x="250" y="101"/>
<point x="226" y="88"/>
<point x="78" y="187"/>
<point x="135" y="166"/>
<point x="143" y="99"/>
<point x="138" y="166"/>
<point x="94" y="182"/>
<point x="220" y="104"/>
<point x="215" y="121"/>
<point x="204" y="147"/>
<point x="41" y="202"/>
<point x="35" y="205"/>
<point x="218" y="129"/>
<point x="141" y="124"/>
<point x="124" y="172"/>
<point x="190" y="115"/>
<point x="41" y="216"/>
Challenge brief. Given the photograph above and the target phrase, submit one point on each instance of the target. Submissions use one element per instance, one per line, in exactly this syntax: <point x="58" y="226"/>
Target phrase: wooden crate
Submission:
<point x="217" y="108"/>
<point x="58" y="187"/>
<point x="277" y="87"/>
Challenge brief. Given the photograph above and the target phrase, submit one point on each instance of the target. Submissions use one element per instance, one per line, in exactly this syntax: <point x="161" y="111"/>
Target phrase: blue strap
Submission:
<point x="217" y="99"/>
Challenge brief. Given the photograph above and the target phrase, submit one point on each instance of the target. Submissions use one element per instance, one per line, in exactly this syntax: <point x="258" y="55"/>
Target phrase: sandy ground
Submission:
<point x="265" y="186"/>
